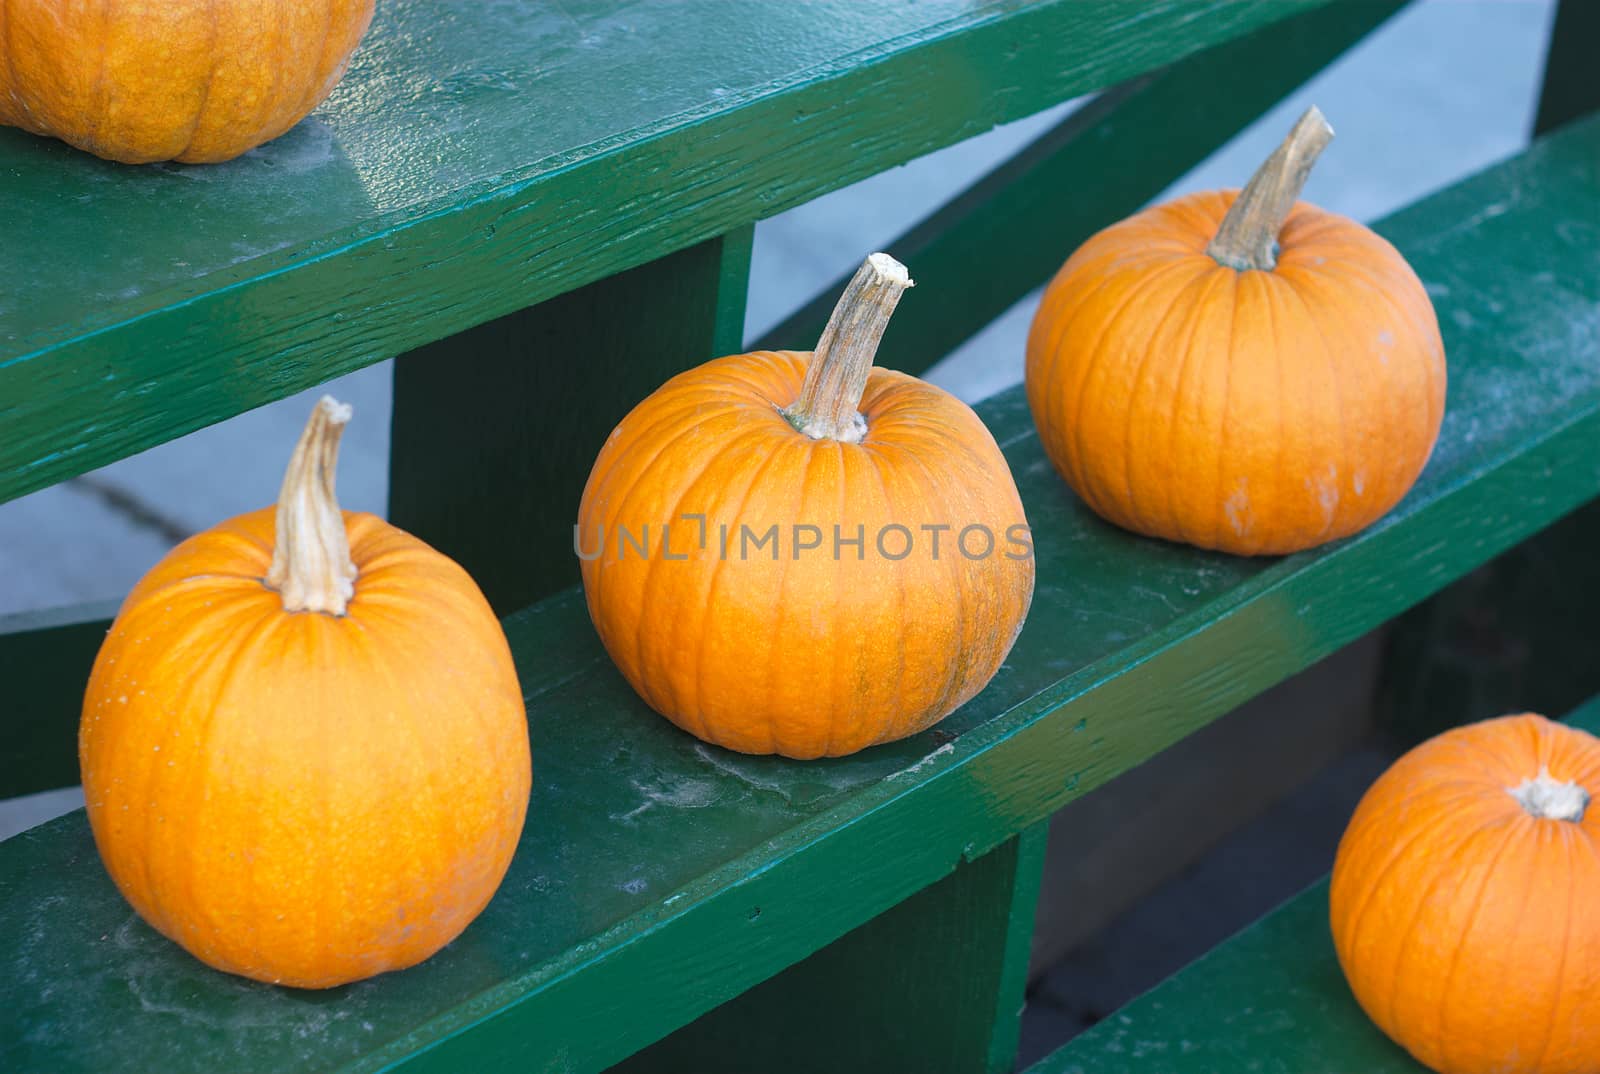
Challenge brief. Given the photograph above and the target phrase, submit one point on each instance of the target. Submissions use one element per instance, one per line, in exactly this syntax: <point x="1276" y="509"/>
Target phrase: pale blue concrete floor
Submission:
<point x="1445" y="89"/>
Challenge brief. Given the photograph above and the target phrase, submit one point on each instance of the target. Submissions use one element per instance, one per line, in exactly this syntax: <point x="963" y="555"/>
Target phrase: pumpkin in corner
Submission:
<point x="1465" y="904"/>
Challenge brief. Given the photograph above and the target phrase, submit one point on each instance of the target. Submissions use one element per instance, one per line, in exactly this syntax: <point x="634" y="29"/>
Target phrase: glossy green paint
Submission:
<point x="628" y="910"/>
<point x="1100" y="164"/>
<point x="45" y="659"/>
<point x="935" y="983"/>
<point x="1570" y="87"/>
<point x="1272" y="1000"/>
<point x="495" y="429"/>
<point x="479" y="159"/>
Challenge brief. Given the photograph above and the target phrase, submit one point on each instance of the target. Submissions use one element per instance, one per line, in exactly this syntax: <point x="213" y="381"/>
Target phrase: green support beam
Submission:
<point x="1517" y="635"/>
<point x="936" y="983"/>
<point x="480" y="159"/>
<point x="1571" y="87"/>
<point x="45" y="659"/>
<point x="629" y="910"/>
<point x="495" y="429"/>
<point x="1010" y="231"/>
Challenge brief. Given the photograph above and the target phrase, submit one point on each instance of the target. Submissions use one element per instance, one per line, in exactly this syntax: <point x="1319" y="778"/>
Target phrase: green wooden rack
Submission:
<point x="1288" y="1009"/>
<point x="509" y="195"/>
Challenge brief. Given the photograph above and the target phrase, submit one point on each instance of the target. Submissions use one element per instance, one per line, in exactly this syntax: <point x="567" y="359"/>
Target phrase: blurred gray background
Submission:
<point x="1442" y="90"/>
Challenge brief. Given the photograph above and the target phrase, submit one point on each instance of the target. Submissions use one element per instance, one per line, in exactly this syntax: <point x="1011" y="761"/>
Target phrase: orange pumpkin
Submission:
<point x="1466" y="900"/>
<point x="304" y="748"/>
<point x="836" y="554"/>
<point x="190" y="80"/>
<point x="1240" y="372"/>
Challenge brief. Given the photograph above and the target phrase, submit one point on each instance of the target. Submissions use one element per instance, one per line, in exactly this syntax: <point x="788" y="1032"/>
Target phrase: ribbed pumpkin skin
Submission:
<point x="805" y="657"/>
<point x="302" y="798"/>
<point x="197" y="81"/>
<point x="1470" y="930"/>
<point x="1255" y="412"/>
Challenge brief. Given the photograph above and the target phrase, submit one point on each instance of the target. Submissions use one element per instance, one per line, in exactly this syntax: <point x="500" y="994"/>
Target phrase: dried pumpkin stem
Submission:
<point x="1544" y="796"/>
<point x="828" y="407"/>
<point x="1248" y="237"/>
<point x="311" y="567"/>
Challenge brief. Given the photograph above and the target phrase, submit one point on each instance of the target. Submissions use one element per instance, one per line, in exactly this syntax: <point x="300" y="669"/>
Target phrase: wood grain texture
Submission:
<point x="481" y="158"/>
<point x="495" y="429"/>
<point x="1097" y="166"/>
<point x="1272" y="1000"/>
<point x="628" y="910"/>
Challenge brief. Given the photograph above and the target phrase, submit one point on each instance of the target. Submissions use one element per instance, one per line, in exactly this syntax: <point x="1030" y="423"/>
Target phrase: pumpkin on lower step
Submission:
<point x="197" y="81"/>
<point x="303" y="743"/>
<point x="800" y="554"/>
<point x="1240" y="372"/>
<point x="1466" y="900"/>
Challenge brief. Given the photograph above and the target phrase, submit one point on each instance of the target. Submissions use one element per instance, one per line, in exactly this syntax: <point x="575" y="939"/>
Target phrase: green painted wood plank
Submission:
<point x="481" y="158"/>
<point x="1009" y="997"/>
<point x="1518" y="634"/>
<point x="935" y="983"/>
<point x="1519" y="628"/>
<point x="628" y="910"/>
<point x="45" y="659"/>
<point x="1100" y="164"/>
<point x="1271" y="1000"/>
<point x="1570" y="87"/>
<point x="477" y="415"/>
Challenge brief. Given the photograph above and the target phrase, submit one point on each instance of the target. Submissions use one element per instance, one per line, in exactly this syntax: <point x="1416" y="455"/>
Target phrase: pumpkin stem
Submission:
<point x="311" y="567"/>
<point x="1248" y="237"/>
<point x="1544" y="796"/>
<point x="837" y="376"/>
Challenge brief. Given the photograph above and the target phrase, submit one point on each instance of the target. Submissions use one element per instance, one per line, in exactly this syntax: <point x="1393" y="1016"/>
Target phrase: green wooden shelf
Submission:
<point x="659" y="877"/>
<point x="1272" y="1000"/>
<point x="480" y="158"/>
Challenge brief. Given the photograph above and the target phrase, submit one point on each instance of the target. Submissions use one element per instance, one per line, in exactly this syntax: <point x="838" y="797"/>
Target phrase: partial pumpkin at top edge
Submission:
<point x="186" y="80"/>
